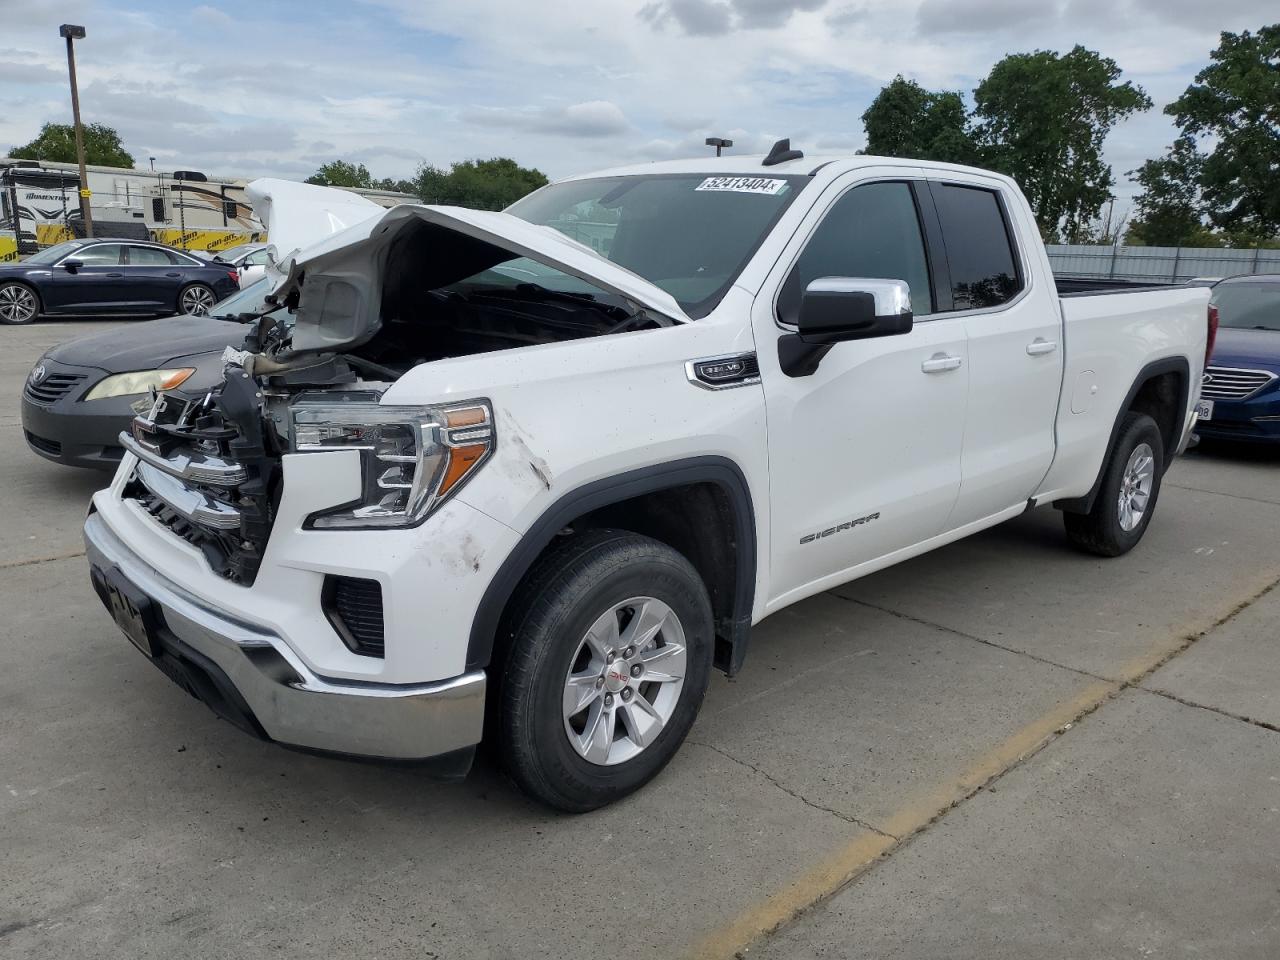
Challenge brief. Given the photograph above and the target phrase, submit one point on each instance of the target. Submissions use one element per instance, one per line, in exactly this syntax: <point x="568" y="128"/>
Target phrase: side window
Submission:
<point x="984" y="271"/>
<point x="148" y="257"/>
<point x="257" y="259"/>
<point x="873" y="231"/>
<point x="98" y="255"/>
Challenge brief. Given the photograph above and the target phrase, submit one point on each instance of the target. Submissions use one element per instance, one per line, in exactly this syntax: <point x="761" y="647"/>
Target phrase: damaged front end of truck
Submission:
<point x="345" y="319"/>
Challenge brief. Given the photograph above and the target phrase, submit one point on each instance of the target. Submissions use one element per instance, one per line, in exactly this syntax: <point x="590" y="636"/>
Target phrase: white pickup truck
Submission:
<point x="528" y="477"/>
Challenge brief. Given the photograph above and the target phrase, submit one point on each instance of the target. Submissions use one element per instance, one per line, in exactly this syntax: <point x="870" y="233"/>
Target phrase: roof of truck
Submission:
<point x="753" y="166"/>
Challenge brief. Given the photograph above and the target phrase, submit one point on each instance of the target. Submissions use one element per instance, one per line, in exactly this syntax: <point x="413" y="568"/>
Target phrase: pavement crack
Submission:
<point x="793" y="793"/>
<point x="1219" y="493"/>
<point x="1253" y="721"/>
<point x="9" y="564"/>
<point x="969" y="636"/>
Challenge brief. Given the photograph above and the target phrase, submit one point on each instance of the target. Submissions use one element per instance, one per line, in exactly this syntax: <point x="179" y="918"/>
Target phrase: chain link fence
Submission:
<point x="1159" y="264"/>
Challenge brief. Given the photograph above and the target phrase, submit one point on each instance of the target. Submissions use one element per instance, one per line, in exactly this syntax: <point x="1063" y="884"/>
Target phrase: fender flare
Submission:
<point x="721" y="471"/>
<point x="1178" y="365"/>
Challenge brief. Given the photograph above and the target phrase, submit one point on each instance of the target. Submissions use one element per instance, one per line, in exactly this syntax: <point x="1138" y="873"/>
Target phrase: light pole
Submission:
<point x="72" y="33"/>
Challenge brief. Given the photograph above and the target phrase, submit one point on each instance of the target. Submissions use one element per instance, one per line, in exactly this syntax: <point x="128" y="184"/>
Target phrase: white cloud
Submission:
<point x="560" y="84"/>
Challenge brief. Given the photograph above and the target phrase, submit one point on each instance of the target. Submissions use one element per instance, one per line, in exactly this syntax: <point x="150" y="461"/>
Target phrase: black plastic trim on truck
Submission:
<point x="1177" y="365"/>
<point x="720" y="471"/>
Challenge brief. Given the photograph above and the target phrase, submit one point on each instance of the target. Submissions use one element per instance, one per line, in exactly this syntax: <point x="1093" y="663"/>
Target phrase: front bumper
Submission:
<point x="69" y="431"/>
<point x="252" y="678"/>
<point x="1256" y="420"/>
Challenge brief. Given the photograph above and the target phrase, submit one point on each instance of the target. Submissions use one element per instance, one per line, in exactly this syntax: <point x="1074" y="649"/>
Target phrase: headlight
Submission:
<point x="140" y="381"/>
<point x="413" y="458"/>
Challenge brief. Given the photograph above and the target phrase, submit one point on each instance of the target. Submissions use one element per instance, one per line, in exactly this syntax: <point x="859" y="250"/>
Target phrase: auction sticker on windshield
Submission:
<point x="765" y="185"/>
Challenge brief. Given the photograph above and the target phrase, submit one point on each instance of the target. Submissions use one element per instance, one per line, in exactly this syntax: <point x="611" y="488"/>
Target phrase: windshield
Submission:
<point x="689" y="234"/>
<point x="249" y="300"/>
<point x="55" y="253"/>
<point x="1248" y="306"/>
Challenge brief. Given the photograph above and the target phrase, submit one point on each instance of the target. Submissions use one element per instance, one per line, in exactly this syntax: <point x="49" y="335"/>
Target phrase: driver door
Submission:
<point x="864" y="453"/>
<point x="96" y="286"/>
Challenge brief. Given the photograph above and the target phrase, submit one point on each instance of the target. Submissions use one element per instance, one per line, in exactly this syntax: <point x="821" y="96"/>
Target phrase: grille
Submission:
<point x="51" y="447"/>
<point x="1229" y="383"/>
<point x="354" y="607"/>
<point x="53" y="387"/>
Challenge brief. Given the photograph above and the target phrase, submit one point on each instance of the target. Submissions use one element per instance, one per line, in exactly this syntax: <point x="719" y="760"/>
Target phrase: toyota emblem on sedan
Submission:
<point x="37" y="374"/>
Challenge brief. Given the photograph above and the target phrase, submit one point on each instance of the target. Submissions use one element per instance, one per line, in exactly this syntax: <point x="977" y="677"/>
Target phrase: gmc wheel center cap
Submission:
<point x="617" y="675"/>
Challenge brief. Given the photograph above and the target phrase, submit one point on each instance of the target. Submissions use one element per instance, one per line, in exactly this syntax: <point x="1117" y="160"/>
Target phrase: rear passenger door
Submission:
<point x="1014" y="330"/>
<point x="153" y="278"/>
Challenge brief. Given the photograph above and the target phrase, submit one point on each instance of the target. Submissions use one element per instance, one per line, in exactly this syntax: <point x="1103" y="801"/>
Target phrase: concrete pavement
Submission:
<point x="1001" y="749"/>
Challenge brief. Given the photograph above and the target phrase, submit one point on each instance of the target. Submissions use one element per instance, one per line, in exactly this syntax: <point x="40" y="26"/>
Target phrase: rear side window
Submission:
<point x="149" y="257"/>
<point x="872" y="232"/>
<point x="984" y="270"/>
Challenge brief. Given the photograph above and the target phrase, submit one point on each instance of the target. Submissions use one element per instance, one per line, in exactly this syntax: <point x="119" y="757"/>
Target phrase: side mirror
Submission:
<point x="71" y="266"/>
<point x="836" y="309"/>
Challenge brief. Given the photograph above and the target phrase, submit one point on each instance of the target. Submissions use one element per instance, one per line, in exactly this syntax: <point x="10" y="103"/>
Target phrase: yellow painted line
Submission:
<point x="829" y="876"/>
<point x="851" y="860"/>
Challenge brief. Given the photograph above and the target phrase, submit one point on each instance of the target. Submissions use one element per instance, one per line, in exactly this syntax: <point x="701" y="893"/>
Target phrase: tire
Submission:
<point x="19" y="304"/>
<point x="196" y="299"/>
<point x="586" y="585"/>
<point x="1134" y="464"/>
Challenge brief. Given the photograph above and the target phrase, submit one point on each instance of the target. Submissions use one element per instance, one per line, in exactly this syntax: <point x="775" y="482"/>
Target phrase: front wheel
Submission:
<point x="196" y="299"/>
<point x="1127" y="496"/>
<point x="18" y="303"/>
<point x="611" y="646"/>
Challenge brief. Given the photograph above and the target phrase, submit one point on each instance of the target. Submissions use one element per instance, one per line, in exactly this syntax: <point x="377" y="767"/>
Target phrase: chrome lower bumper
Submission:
<point x="288" y="702"/>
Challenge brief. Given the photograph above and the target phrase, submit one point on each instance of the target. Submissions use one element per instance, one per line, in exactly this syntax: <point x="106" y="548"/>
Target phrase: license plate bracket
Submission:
<point x="132" y="610"/>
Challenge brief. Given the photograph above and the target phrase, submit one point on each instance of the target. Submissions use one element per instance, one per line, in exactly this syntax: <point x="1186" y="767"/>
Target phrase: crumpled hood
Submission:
<point x="1237" y="347"/>
<point x="296" y="215"/>
<point x="340" y="280"/>
<point x="149" y="345"/>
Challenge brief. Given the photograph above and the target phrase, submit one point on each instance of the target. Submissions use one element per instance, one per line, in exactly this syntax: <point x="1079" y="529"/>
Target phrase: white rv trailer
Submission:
<point x="40" y="206"/>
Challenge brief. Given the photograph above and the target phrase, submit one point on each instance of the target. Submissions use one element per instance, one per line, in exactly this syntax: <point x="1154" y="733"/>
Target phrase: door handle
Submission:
<point x="941" y="363"/>
<point x="1040" y="346"/>
<point x="115" y="274"/>
<point x="173" y="274"/>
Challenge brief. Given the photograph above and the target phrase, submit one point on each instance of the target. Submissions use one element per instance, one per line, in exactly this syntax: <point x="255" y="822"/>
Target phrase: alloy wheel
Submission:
<point x="197" y="301"/>
<point x="624" y="682"/>
<point x="17" y="304"/>
<point x="1136" y="484"/>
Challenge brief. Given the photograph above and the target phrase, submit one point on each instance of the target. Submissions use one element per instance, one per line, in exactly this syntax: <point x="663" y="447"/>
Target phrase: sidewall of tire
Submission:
<point x="1107" y="533"/>
<point x="542" y="760"/>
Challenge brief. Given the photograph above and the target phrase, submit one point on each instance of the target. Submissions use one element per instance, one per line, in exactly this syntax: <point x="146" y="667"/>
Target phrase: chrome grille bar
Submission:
<point x="194" y="468"/>
<point x="1231" y="383"/>
<point x="190" y="504"/>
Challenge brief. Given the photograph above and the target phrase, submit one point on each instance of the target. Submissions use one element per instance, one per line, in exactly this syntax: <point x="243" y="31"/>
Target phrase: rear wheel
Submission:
<point x="1127" y="497"/>
<point x="196" y="299"/>
<point x="609" y="660"/>
<point x="18" y="303"/>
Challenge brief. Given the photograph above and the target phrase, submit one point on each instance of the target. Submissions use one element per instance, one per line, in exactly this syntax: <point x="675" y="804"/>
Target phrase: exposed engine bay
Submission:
<point x="313" y="368"/>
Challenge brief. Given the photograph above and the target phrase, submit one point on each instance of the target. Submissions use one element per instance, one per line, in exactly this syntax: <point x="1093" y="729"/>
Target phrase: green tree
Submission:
<point x="1042" y="119"/>
<point x="1236" y="101"/>
<point x="906" y="120"/>
<point x="339" y="173"/>
<point x="57" y="143"/>
<point x="1168" y="211"/>
<point x="483" y="184"/>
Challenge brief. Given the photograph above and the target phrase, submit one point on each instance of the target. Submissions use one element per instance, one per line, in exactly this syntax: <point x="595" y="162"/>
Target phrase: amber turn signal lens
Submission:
<point x="465" y="417"/>
<point x="461" y="460"/>
<point x="177" y="378"/>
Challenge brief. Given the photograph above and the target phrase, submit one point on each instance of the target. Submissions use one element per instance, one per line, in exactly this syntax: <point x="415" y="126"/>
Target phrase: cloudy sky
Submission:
<point x="278" y="86"/>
